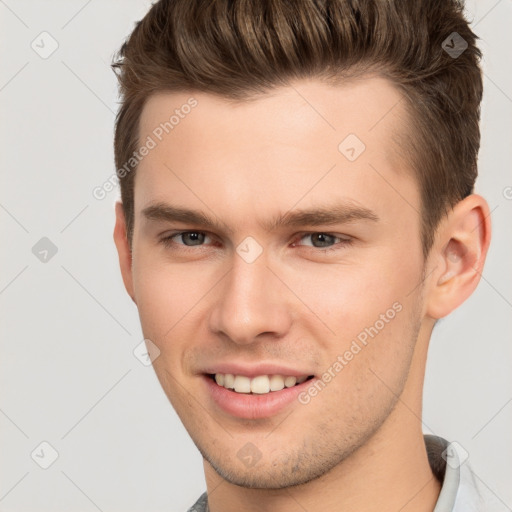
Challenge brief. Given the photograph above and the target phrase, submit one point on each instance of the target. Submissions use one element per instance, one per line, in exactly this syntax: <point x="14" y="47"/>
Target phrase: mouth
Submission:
<point x="258" y="385"/>
<point x="254" y="397"/>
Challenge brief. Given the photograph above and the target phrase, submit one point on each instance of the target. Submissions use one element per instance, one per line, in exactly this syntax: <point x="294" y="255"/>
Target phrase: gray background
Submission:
<point x="68" y="373"/>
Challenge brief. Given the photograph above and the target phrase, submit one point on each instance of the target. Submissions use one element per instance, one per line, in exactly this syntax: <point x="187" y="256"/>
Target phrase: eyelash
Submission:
<point x="168" y="242"/>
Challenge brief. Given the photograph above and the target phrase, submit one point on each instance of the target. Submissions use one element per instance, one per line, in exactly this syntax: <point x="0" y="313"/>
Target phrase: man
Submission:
<point x="297" y="213"/>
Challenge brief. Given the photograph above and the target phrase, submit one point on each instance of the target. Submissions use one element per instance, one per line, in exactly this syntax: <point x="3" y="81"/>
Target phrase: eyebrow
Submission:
<point x="339" y="213"/>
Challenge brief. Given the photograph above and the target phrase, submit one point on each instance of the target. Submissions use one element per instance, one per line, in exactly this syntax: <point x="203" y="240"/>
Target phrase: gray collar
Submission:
<point x="438" y="451"/>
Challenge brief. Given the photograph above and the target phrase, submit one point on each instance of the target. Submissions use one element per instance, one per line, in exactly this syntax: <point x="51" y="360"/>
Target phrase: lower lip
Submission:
<point x="253" y="406"/>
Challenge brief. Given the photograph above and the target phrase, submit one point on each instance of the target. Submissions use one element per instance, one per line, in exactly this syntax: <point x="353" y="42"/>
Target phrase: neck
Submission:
<point x="390" y="472"/>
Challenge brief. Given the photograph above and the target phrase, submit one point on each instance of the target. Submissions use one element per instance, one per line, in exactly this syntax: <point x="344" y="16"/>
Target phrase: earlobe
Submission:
<point x="463" y="239"/>
<point x="123" y="250"/>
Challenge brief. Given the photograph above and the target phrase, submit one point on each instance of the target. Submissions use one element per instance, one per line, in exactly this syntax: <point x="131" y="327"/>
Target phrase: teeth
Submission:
<point x="242" y="384"/>
<point x="260" y="385"/>
<point x="229" y="380"/>
<point x="276" y="383"/>
<point x="290" y="381"/>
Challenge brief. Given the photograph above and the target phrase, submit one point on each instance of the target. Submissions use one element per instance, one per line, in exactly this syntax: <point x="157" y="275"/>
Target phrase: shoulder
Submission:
<point x="462" y="489"/>
<point x="201" y="505"/>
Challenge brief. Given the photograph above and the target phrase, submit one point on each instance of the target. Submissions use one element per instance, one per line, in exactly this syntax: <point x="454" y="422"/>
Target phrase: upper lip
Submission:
<point x="255" y="370"/>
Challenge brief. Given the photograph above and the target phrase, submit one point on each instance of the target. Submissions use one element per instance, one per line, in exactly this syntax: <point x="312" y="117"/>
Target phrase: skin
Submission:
<point x="358" y="444"/>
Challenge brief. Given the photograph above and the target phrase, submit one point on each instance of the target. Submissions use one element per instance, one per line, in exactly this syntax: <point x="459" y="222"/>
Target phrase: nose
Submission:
<point x="251" y="304"/>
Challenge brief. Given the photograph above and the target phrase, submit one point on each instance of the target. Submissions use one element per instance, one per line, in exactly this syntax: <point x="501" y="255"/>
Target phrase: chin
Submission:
<point x="264" y="479"/>
<point x="286" y="470"/>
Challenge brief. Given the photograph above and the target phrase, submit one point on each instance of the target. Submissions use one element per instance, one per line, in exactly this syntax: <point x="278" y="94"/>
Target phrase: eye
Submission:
<point x="325" y="241"/>
<point x="188" y="239"/>
<point x="320" y="242"/>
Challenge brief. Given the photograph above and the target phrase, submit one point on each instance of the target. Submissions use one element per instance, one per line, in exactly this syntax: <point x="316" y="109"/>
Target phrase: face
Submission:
<point x="276" y="254"/>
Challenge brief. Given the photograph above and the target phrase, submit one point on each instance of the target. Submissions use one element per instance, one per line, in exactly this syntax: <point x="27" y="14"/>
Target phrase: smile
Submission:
<point x="255" y="397"/>
<point x="260" y="385"/>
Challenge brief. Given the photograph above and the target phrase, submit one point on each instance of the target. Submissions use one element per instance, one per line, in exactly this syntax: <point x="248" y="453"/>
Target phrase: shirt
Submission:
<point x="460" y="491"/>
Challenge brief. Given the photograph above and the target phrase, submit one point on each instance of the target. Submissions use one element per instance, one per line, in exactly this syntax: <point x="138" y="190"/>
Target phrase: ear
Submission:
<point x="123" y="250"/>
<point x="458" y="255"/>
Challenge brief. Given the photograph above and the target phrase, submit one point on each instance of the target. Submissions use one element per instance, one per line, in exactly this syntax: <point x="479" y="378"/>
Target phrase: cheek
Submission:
<point x="366" y="367"/>
<point x="163" y="301"/>
<point x="352" y="296"/>
<point x="163" y="298"/>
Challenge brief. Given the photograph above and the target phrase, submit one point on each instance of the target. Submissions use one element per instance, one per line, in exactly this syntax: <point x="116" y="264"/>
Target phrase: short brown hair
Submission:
<point x="241" y="48"/>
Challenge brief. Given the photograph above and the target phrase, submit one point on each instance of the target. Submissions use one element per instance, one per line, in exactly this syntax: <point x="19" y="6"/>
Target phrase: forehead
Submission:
<point x="298" y="142"/>
<point x="367" y="106"/>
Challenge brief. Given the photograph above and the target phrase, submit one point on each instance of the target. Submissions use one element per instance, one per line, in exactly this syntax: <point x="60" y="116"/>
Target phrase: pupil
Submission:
<point x="194" y="237"/>
<point x="326" y="239"/>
